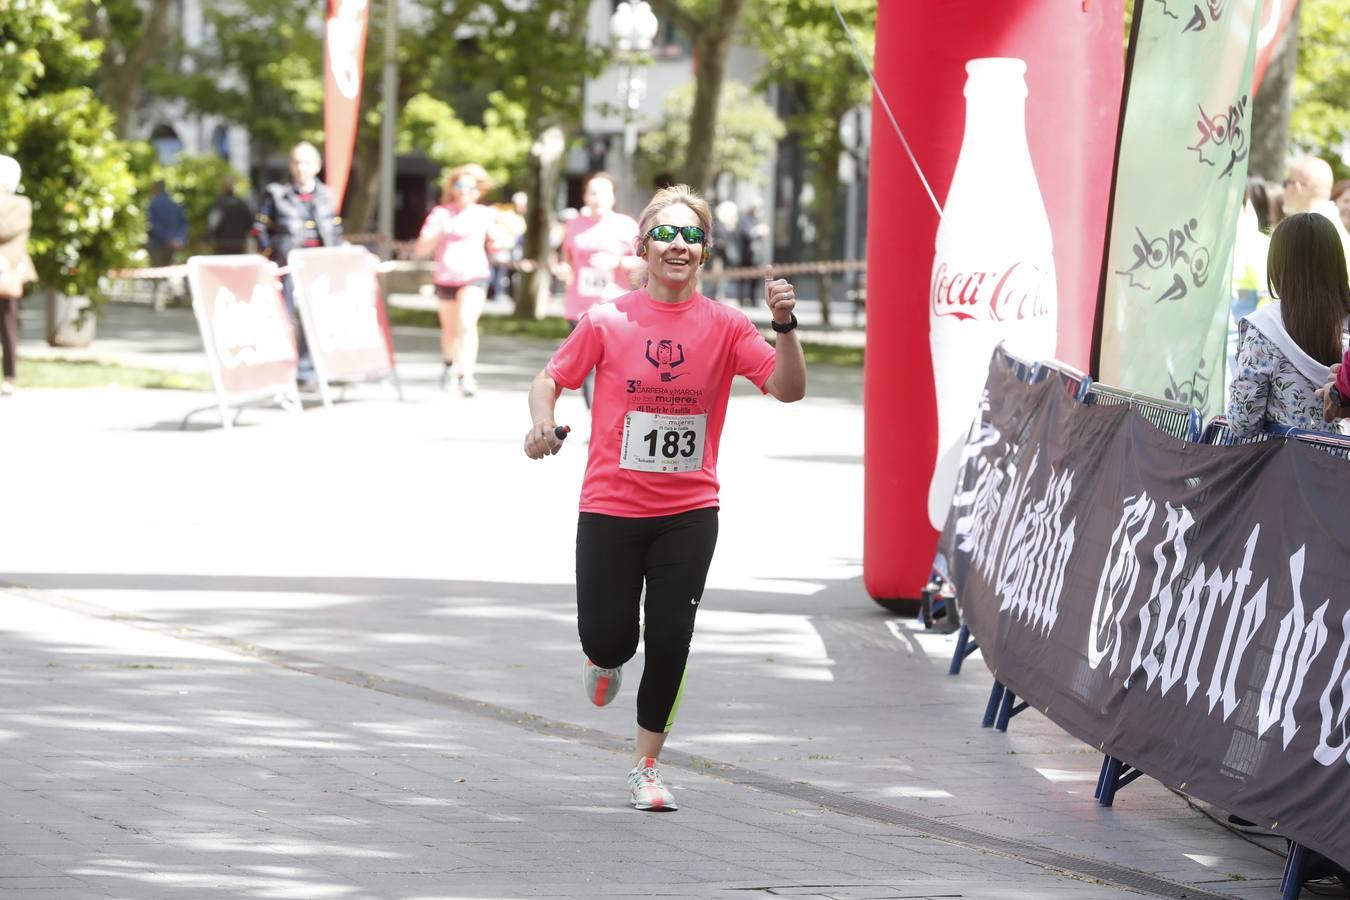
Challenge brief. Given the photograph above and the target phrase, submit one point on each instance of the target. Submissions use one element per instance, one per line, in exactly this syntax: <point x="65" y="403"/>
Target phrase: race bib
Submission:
<point x="595" y="282"/>
<point x="655" y="442"/>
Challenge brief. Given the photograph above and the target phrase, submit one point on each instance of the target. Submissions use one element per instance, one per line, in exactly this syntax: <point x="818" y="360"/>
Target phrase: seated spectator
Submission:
<point x="1286" y="349"/>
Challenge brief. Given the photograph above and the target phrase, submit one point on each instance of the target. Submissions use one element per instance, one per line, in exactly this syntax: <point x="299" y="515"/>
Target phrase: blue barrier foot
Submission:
<point x="991" y="708"/>
<point x="1007" y="709"/>
<point x="964" y="647"/>
<point x="1291" y="885"/>
<point x="1114" y="776"/>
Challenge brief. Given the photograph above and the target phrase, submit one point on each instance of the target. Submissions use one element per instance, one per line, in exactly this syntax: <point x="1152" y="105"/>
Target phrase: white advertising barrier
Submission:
<point x="246" y="330"/>
<point x="337" y="292"/>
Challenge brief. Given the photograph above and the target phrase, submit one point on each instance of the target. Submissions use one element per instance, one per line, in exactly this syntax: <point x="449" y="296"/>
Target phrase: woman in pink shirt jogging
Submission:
<point x="664" y="357"/>
<point x="599" y="252"/>
<point x="457" y="234"/>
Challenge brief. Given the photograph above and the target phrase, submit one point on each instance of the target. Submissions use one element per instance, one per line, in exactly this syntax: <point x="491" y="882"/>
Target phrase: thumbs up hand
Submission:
<point x="780" y="295"/>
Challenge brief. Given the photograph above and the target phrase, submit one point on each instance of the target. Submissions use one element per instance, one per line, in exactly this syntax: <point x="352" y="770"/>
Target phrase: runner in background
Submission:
<point x="664" y="357"/>
<point x="598" y="256"/>
<point x="458" y="234"/>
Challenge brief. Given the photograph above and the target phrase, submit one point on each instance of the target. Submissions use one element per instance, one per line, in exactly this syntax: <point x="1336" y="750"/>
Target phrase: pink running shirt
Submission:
<point x="615" y="234"/>
<point x="662" y="377"/>
<point x="461" y="252"/>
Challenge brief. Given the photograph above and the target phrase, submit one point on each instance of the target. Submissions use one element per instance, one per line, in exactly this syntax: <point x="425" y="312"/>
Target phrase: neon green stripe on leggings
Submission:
<point x="679" y="695"/>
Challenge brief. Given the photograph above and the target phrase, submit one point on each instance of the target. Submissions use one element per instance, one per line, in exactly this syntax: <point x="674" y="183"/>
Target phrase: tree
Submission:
<point x="1272" y="106"/>
<point x="711" y="25"/>
<point x="132" y="32"/>
<point x="1320" y="119"/>
<point x="808" y="54"/>
<point x="538" y="54"/>
<point x="747" y="132"/>
<point x="86" y="216"/>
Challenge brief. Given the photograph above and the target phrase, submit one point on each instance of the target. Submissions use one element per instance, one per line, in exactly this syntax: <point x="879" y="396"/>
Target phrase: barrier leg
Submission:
<point x="1007" y="709"/>
<point x="991" y="708"/>
<point x="1291" y="885"/>
<point x="1114" y="776"/>
<point x="964" y="647"/>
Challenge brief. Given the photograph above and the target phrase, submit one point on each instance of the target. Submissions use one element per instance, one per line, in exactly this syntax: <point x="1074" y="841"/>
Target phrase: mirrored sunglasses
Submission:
<point x="692" y="234"/>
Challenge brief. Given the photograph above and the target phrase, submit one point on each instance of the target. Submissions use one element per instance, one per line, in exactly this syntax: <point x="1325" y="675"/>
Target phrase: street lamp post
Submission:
<point x="632" y="28"/>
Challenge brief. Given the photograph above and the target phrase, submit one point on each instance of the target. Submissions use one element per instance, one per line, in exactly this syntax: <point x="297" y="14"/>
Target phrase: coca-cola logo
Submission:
<point x="1011" y="294"/>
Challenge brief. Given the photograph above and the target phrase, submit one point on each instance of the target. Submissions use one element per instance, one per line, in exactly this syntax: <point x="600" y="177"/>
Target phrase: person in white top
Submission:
<point x="1307" y="188"/>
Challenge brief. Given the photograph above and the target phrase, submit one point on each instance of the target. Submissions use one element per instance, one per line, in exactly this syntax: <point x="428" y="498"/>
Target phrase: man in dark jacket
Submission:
<point x="301" y="213"/>
<point x="229" y="221"/>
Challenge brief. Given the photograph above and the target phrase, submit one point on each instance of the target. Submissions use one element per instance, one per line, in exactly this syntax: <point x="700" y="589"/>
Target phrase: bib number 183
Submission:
<point x="653" y="442"/>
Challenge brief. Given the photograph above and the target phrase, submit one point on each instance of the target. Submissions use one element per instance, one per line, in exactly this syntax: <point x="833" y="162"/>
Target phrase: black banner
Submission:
<point x="1183" y="607"/>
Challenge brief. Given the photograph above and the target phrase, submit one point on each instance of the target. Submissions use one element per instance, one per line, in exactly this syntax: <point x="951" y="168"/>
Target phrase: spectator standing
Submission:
<point x="726" y="252"/>
<point x="751" y="233"/>
<point x="229" y="222"/>
<point x="16" y="268"/>
<point x="167" y="235"/>
<point x="1307" y="189"/>
<point x="1340" y="195"/>
<point x="300" y="213"/>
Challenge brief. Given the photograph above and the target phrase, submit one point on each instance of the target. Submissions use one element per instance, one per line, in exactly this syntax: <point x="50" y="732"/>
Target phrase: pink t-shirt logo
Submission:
<point x="664" y="360"/>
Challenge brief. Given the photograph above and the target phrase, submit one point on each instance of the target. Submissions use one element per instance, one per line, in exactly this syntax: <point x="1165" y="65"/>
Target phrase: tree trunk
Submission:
<point x="1272" y="106"/>
<point x="827" y="193"/>
<point x="712" y="46"/>
<point x="541" y="183"/>
<point x="121" y="78"/>
<point x="362" y="190"/>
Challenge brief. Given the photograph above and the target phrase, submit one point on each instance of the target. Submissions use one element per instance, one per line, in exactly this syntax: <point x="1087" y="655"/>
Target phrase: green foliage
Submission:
<point x="1320" y="122"/>
<point x="194" y="182"/>
<point x="806" y="50"/>
<point x="86" y="218"/>
<point x="499" y="145"/>
<point x="263" y="71"/>
<point x="747" y="133"/>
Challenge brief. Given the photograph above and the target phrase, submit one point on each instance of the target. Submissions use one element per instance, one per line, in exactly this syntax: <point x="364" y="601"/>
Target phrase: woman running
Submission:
<point x="458" y="235"/>
<point x="664" y="357"/>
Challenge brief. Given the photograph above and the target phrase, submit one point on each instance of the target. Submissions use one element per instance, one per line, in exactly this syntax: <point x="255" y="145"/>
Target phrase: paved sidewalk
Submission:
<point x="334" y="654"/>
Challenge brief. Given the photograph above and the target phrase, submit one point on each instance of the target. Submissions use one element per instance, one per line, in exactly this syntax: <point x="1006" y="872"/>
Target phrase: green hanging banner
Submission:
<point x="1181" y="165"/>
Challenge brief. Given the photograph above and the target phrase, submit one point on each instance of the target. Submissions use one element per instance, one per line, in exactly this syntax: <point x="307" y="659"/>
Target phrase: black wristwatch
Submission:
<point x="784" y="329"/>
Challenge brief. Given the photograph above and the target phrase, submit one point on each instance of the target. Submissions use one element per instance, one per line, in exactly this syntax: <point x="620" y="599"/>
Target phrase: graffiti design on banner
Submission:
<point x="344" y="42"/>
<point x="347" y="319"/>
<point x="250" y="332"/>
<point x="1014" y="537"/>
<point x="1193" y="392"/>
<point x="1189" y="598"/>
<point x="1198" y="19"/>
<point x="1178" y="249"/>
<point x="1220" y="132"/>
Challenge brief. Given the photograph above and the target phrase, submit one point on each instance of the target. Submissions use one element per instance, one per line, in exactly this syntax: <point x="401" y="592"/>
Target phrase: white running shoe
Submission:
<point x="647" y="789"/>
<point x="468" y="385"/>
<point x="602" y="685"/>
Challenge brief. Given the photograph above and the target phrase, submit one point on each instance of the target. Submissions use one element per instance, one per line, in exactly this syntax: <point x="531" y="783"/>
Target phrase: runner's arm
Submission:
<point x="540" y="441"/>
<point x="788" y="381"/>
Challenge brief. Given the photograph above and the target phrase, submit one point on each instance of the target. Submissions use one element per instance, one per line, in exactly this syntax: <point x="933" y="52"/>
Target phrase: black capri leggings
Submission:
<point x="615" y="555"/>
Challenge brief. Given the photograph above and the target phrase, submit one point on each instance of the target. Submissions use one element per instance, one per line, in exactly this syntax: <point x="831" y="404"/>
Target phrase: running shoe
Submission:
<point x="647" y="789"/>
<point x="468" y="386"/>
<point x="602" y="685"/>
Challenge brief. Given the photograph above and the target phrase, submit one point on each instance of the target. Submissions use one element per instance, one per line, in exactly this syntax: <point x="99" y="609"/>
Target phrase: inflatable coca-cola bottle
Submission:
<point x="993" y="271"/>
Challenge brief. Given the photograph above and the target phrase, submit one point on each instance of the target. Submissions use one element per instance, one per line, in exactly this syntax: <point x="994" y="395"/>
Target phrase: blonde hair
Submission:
<point x="678" y="195"/>
<point x="467" y="170"/>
